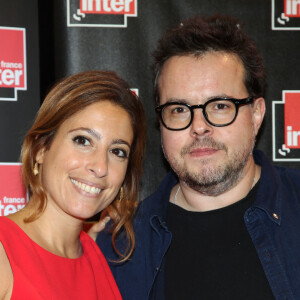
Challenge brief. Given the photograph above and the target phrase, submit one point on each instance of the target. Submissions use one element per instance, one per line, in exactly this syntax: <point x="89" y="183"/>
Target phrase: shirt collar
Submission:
<point x="269" y="195"/>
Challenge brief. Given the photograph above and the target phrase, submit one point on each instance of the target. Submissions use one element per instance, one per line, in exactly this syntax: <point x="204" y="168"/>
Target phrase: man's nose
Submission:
<point x="199" y="124"/>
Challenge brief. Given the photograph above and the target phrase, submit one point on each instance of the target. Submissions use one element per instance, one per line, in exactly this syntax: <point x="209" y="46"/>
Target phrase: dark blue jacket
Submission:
<point x="273" y="223"/>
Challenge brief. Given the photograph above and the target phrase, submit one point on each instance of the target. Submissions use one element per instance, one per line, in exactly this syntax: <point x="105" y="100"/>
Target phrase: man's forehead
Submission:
<point x="200" y="56"/>
<point x="213" y="74"/>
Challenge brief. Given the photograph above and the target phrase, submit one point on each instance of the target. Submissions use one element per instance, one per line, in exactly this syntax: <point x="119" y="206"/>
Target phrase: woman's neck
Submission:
<point x="55" y="232"/>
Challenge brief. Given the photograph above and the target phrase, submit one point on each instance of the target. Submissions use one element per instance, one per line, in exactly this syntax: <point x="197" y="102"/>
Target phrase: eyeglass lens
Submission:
<point x="218" y="112"/>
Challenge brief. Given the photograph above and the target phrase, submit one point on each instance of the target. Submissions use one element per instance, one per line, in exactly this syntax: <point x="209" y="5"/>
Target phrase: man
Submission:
<point x="225" y="223"/>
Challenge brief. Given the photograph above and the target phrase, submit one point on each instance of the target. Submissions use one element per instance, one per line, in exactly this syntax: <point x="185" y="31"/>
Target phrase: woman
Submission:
<point x="82" y="155"/>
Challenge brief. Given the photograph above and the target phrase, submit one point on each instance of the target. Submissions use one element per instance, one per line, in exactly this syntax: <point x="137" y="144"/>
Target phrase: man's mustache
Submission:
<point x="206" y="142"/>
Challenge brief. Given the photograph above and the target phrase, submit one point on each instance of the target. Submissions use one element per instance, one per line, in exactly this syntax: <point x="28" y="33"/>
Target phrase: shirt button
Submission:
<point x="275" y="216"/>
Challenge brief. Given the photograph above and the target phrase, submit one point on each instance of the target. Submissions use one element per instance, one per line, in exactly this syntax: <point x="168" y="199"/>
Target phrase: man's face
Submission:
<point x="209" y="159"/>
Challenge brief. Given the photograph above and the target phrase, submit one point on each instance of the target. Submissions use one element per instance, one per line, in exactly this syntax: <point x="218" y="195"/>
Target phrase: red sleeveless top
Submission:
<point x="41" y="275"/>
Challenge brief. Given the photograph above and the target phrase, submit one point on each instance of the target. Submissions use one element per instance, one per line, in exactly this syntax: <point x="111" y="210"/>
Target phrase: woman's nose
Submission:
<point x="98" y="164"/>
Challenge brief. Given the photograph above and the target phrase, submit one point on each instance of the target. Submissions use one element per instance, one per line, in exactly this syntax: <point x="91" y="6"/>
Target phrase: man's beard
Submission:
<point x="213" y="180"/>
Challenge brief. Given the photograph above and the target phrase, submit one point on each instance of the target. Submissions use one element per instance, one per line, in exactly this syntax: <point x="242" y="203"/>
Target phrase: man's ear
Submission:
<point x="40" y="156"/>
<point x="259" y="110"/>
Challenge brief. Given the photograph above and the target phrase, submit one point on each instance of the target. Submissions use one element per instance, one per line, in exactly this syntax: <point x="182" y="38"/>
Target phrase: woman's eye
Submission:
<point x="119" y="152"/>
<point x="81" y="140"/>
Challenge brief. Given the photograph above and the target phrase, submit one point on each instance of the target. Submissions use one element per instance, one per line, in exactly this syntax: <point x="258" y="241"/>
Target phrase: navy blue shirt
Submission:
<point x="273" y="222"/>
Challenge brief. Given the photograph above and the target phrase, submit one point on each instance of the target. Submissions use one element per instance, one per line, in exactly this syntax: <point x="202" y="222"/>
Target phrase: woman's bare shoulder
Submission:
<point x="6" y="275"/>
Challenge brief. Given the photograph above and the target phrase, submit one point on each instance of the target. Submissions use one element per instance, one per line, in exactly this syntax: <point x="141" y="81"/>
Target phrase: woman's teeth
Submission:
<point x="86" y="188"/>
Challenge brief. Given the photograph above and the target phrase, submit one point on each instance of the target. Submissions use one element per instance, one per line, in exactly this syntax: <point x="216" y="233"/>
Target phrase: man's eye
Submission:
<point x="179" y="110"/>
<point x="221" y="106"/>
<point x="119" y="152"/>
<point x="81" y="140"/>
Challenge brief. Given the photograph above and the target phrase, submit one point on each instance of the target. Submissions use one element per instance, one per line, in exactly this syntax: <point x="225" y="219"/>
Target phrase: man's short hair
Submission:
<point x="197" y="36"/>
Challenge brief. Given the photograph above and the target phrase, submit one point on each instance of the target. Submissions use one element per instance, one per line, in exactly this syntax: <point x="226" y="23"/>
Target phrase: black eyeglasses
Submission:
<point x="218" y="112"/>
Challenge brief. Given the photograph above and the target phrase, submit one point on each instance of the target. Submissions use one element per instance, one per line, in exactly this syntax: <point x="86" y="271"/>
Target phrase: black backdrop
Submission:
<point x="16" y="116"/>
<point x="71" y="41"/>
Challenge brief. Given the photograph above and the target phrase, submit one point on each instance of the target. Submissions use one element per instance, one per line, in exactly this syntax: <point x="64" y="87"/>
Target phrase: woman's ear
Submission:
<point x="259" y="109"/>
<point x="40" y="156"/>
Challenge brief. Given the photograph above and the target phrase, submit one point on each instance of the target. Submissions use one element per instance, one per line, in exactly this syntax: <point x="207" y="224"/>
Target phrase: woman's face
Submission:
<point x="84" y="168"/>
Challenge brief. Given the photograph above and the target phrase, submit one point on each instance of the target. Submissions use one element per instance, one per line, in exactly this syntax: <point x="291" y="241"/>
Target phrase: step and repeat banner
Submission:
<point x="120" y="35"/>
<point x="19" y="94"/>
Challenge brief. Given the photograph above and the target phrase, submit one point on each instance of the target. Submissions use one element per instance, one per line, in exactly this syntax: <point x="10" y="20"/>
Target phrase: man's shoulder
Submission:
<point x="287" y="170"/>
<point x="289" y="175"/>
<point x="278" y="184"/>
<point x="156" y="202"/>
<point x="268" y="167"/>
<point x="287" y="185"/>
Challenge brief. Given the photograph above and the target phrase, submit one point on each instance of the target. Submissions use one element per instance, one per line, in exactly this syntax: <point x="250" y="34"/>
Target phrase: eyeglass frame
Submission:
<point x="236" y="102"/>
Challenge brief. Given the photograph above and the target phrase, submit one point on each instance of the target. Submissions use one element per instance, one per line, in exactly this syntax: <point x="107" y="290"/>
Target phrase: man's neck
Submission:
<point x="190" y="199"/>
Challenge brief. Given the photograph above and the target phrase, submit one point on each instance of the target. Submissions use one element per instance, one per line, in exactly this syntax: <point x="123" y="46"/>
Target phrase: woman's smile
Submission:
<point x="86" y="187"/>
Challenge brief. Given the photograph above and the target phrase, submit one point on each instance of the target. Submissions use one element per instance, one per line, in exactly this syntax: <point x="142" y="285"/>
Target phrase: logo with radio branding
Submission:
<point x="286" y="127"/>
<point x="100" y="13"/>
<point x="13" y="195"/>
<point x="286" y="14"/>
<point x="12" y="62"/>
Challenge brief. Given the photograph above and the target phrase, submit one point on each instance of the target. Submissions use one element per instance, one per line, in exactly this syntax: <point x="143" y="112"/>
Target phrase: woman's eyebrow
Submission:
<point x="88" y="130"/>
<point x="120" y="141"/>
